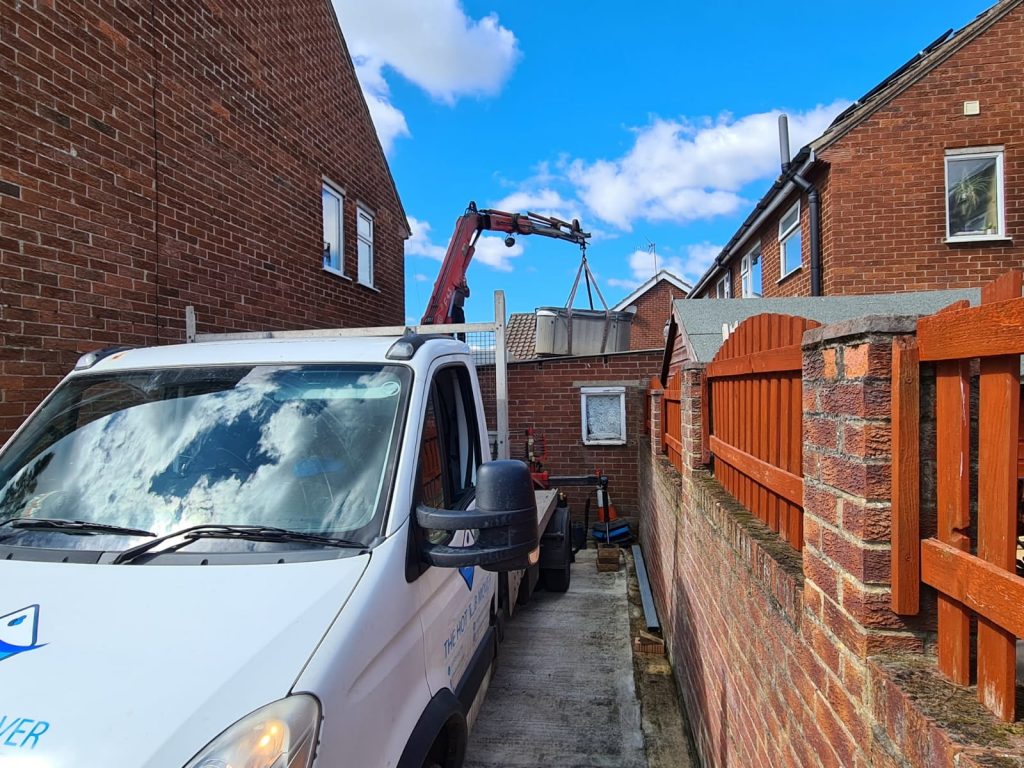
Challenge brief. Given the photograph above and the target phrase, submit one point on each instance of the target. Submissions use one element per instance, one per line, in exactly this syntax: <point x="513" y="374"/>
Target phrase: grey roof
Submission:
<point x="702" y="319"/>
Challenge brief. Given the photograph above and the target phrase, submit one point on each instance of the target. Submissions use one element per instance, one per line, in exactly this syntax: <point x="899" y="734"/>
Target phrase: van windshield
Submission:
<point x="305" y="448"/>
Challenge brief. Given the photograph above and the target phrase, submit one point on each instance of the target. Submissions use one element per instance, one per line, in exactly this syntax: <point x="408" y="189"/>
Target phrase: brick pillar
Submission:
<point x="655" y="392"/>
<point x="847" y="387"/>
<point x="690" y="407"/>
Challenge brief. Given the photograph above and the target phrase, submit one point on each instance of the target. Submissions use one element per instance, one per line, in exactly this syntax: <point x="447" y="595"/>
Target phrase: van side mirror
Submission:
<point x="505" y="519"/>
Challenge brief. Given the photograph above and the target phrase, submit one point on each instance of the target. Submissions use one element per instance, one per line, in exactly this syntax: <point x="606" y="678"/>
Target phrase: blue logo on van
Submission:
<point x="467" y="574"/>
<point x="19" y="632"/>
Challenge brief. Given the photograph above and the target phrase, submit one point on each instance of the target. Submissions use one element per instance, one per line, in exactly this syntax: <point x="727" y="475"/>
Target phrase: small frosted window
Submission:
<point x="603" y="415"/>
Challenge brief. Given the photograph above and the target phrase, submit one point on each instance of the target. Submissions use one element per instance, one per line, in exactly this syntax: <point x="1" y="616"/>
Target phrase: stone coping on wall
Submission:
<point x="775" y="566"/>
<point x="861" y="326"/>
<point x="931" y="721"/>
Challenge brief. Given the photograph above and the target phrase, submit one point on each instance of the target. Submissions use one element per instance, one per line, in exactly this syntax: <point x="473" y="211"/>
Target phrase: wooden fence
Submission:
<point x="973" y="578"/>
<point x="753" y="396"/>
<point x="672" y="422"/>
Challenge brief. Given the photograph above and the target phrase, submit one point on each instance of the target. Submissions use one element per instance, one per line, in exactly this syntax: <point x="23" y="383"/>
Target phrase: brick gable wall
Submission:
<point x="883" y="185"/>
<point x="653" y="309"/>
<point x="173" y="155"/>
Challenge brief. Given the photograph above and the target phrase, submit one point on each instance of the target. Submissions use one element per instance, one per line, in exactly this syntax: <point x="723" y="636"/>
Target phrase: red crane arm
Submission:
<point x="463" y="243"/>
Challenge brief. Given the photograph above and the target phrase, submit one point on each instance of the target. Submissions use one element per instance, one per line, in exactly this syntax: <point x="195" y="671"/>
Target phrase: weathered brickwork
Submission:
<point x="545" y="395"/>
<point x="883" y="184"/>
<point x="159" y="156"/>
<point x="653" y="308"/>
<point x="787" y="658"/>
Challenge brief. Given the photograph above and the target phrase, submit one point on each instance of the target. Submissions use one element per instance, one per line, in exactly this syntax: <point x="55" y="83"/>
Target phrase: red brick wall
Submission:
<point x="883" y="184"/>
<point x="545" y="395"/>
<point x="653" y="309"/>
<point x="150" y="160"/>
<point x="795" y="658"/>
<point x="889" y="182"/>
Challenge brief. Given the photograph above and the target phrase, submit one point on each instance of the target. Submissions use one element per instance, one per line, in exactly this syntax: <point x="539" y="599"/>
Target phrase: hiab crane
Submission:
<point x="463" y="243"/>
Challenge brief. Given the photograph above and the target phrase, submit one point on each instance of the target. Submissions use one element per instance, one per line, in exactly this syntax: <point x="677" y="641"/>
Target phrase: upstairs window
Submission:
<point x="974" y="194"/>
<point x="750" y="275"/>
<point x="364" y="230"/>
<point x="789" y="241"/>
<point x="722" y="289"/>
<point x="333" y="201"/>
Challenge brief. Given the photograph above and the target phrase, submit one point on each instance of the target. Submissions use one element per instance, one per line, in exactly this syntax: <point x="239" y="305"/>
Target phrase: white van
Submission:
<point x="269" y="554"/>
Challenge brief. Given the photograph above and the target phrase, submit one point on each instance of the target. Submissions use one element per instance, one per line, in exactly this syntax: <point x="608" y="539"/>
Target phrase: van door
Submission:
<point x="457" y="601"/>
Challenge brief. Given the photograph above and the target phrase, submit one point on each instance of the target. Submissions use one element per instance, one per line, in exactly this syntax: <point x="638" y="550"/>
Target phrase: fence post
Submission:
<point x="848" y="484"/>
<point x="691" y="407"/>
<point x="655" y="393"/>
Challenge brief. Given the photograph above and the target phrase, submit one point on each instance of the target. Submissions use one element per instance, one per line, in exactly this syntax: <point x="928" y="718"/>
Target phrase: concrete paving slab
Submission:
<point x="563" y="693"/>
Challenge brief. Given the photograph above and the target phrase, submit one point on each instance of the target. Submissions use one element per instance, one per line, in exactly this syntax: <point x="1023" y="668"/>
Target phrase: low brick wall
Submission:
<point x="789" y="658"/>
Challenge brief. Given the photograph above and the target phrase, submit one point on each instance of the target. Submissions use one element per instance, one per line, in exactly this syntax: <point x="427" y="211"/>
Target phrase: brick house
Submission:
<point x="213" y="154"/>
<point x="651" y="298"/>
<point x="918" y="182"/>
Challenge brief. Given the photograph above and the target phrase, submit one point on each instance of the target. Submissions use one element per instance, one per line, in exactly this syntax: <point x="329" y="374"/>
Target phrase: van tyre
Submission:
<point x="557" y="579"/>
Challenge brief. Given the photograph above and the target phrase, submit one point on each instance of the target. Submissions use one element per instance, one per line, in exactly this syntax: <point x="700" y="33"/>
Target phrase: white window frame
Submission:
<point x="977" y="153"/>
<point x="586" y="392"/>
<point x="723" y="288"/>
<point x="784" y="237"/>
<point x="364" y="272"/>
<point x="747" y="272"/>
<point x="333" y="189"/>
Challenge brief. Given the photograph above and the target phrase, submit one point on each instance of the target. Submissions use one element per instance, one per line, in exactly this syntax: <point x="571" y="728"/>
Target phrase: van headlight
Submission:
<point x="279" y="735"/>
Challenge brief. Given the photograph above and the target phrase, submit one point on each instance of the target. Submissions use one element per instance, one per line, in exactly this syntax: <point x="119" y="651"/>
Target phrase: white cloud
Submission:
<point x="431" y="43"/>
<point x="419" y="243"/>
<point x="490" y="250"/>
<point x="387" y="118"/>
<point x="690" y="266"/>
<point x="679" y="171"/>
<point x="419" y="277"/>
<point x="546" y="202"/>
<point x="493" y="252"/>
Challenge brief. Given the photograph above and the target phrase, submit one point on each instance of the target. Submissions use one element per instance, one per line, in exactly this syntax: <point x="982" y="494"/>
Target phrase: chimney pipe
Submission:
<point x="784" y="141"/>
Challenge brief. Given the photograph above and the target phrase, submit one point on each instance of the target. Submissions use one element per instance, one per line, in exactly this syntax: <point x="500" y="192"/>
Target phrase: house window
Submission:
<point x="974" y="193"/>
<point x="334" y="233"/>
<point x="722" y="289"/>
<point x="789" y="241"/>
<point x="603" y="411"/>
<point x="364" y="230"/>
<point x="750" y="275"/>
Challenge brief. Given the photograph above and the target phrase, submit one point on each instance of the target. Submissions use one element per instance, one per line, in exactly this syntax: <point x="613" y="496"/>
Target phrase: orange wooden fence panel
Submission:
<point x="983" y="582"/>
<point x="753" y="395"/>
<point x="671" y="421"/>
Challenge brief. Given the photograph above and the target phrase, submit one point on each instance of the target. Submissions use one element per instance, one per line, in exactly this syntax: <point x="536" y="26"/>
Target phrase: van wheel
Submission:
<point x="557" y="579"/>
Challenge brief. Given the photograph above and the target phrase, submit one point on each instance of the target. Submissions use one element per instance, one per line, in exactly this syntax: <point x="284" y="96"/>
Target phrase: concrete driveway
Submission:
<point x="563" y="693"/>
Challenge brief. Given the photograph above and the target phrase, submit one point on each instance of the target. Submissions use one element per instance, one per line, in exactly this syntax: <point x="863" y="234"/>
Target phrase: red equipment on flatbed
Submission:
<point x="463" y="243"/>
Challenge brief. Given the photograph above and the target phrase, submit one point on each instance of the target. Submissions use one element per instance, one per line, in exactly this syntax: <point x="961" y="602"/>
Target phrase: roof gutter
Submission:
<point x="748" y="229"/>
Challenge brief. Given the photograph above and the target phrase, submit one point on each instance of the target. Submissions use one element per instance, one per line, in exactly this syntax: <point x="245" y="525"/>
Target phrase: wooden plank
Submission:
<point x="906" y="503"/>
<point x="766" y="361"/>
<point x="998" y="423"/>
<point x="997" y="519"/>
<point x="990" y="330"/>
<point x="990" y="591"/>
<point x="674" y="444"/>
<point x="953" y="496"/>
<point x="786" y="484"/>
<point x="763" y="425"/>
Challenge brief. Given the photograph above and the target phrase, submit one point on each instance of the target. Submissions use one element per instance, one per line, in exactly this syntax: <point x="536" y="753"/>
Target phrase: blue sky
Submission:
<point x="651" y="123"/>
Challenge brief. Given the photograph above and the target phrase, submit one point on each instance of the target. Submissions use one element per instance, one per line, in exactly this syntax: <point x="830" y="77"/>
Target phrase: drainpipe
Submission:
<point x="813" y="202"/>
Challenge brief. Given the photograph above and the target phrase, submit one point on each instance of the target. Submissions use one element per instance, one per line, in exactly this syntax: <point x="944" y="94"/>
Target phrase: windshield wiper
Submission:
<point x="243" y="532"/>
<point x="73" y="527"/>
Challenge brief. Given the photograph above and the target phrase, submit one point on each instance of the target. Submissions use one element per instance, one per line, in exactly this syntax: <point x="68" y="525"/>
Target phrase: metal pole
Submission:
<point x="500" y="375"/>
